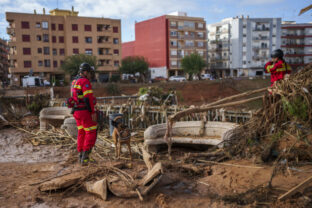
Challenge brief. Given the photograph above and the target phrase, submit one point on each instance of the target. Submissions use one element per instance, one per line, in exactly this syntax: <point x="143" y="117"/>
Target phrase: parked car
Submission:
<point x="177" y="78"/>
<point x="206" y="76"/>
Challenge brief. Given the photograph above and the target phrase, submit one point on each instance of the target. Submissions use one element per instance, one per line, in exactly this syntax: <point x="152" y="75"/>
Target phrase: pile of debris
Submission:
<point x="281" y="130"/>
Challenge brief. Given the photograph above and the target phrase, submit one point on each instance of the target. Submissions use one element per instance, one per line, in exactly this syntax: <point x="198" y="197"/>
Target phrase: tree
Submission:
<point x="133" y="65"/>
<point x="71" y="63"/>
<point x="193" y="64"/>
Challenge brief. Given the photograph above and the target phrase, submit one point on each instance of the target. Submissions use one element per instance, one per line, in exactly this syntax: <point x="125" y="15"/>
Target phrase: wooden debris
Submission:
<point x="295" y="189"/>
<point x="98" y="188"/>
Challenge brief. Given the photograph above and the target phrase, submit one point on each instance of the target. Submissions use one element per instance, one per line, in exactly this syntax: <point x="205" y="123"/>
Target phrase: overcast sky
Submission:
<point x="130" y="11"/>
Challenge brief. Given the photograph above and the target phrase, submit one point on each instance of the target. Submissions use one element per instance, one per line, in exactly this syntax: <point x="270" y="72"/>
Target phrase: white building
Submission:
<point x="241" y="46"/>
<point x="297" y="43"/>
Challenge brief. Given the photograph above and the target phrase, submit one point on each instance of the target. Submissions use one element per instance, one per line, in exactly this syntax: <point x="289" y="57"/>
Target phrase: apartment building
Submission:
<point x="4" y="63"/>
<point x="165" y="40"/>
<point x="40" y="43"/>
<point x="297" y="43"/>
<point x="240" y="46"/>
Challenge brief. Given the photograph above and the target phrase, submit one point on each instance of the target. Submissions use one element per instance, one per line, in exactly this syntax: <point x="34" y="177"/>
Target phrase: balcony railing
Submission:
<point x="11" y="31"/>
<point x="261" y="29"/>
<point x="260" y="38"/>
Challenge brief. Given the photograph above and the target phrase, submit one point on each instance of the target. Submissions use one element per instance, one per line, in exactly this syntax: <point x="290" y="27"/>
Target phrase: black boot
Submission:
<point x="85" y="158"/>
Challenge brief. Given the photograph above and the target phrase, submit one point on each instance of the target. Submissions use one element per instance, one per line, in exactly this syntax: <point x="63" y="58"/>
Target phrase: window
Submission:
<point x="26" y="38"/>
<point x="244" y="35"/>
<point x="189" y="43"/>
<point x="38" y="25"/>
<point x="62" y="51"/>
<point x="55" y="64"/>
<point x="38" y="37"/>
<point x="46" y="50"/>
<point x="200" y="44"/>
<point x="45" y="25"/>
<point x="27" y="64"/>
<point x="173" y="33"/>
<point x="200" y="34"/>
<point x="116" y="51"/>
<point x="61" y="27"/>
<point x="75" y="51"/>
<point x="189" y="24"/>
<point x="74" y="27"/>
<point x="173" y="43"/>
<point x="87" y="28"/>
<point x="173" y="52"/>
<point x="115" y="40"/>
<point x="47" y="63"/>
<point x="39" y="50"/>
<point x="244" y="62"/>
<point x="75" y="39"/>
<point x="25" y="25"/>
<point x="40" y="63"/>
<point x="274" y="26"/>
<point x="45" y="37"/>
<point x="116" y="63"/>
<point x="173" y="63"/>
<point x="88" y="39"/>
<point x="200" y="25"/>
<point x="244" y="26"/>
<point x="26" y="51"/>
<point x="88" y="51"/>
<point x="115" y="29"/>
<point x="172" y="23"/>
<point x="53" y="39"/>
<point x="53" y="26"/>
<point x="54" y="51"/>
<point x="61" y="39"/>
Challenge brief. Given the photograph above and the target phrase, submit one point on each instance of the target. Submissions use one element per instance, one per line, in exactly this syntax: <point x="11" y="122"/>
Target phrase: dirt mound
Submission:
<point x="189" y="93"/>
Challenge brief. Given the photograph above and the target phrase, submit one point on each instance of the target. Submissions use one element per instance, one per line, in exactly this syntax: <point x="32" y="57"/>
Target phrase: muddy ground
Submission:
<point x="235" y="183"/>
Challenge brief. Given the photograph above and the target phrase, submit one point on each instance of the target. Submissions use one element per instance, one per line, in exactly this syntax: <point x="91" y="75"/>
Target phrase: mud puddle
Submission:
<point x="15" y="148"/>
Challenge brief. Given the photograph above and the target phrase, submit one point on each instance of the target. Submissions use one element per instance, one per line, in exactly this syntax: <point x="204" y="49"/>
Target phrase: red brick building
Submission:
<point x="165" y="40"/>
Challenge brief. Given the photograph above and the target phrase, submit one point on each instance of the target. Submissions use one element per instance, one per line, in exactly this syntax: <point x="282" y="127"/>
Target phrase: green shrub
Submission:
<point x="113" y="89"/>
<point x="38" y="103"/>
<point x="114" y="78"/>
<point x="297" y="108"/>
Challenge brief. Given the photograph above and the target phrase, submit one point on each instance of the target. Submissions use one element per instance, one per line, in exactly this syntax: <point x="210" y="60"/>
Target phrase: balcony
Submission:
<point x="189" y="37"/>
<point x="260" y="38"/>
<point x="11" y="31"/>
<point x="259" y="29"/>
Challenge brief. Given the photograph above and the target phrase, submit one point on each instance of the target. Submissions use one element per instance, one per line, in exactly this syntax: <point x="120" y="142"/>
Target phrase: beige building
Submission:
<point x="40" y="43"/>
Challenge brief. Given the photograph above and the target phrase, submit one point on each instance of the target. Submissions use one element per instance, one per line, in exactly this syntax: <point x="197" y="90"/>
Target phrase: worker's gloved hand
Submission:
<point x="94" y="117"/>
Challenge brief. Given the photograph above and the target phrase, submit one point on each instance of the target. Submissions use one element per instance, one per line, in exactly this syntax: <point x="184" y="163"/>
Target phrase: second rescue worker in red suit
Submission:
<point x="277" y="67"/>
<point x="84" y="113"/>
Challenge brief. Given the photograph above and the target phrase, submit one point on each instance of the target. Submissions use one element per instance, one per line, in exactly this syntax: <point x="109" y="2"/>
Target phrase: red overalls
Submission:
<point x="82" y="93"/>
<point x="277" y="70"/>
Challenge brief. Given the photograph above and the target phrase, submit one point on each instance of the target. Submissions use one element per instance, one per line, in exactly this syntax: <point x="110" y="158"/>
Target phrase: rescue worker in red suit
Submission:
<point x="84" y="113"/>
<point x="277" y="67"/>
